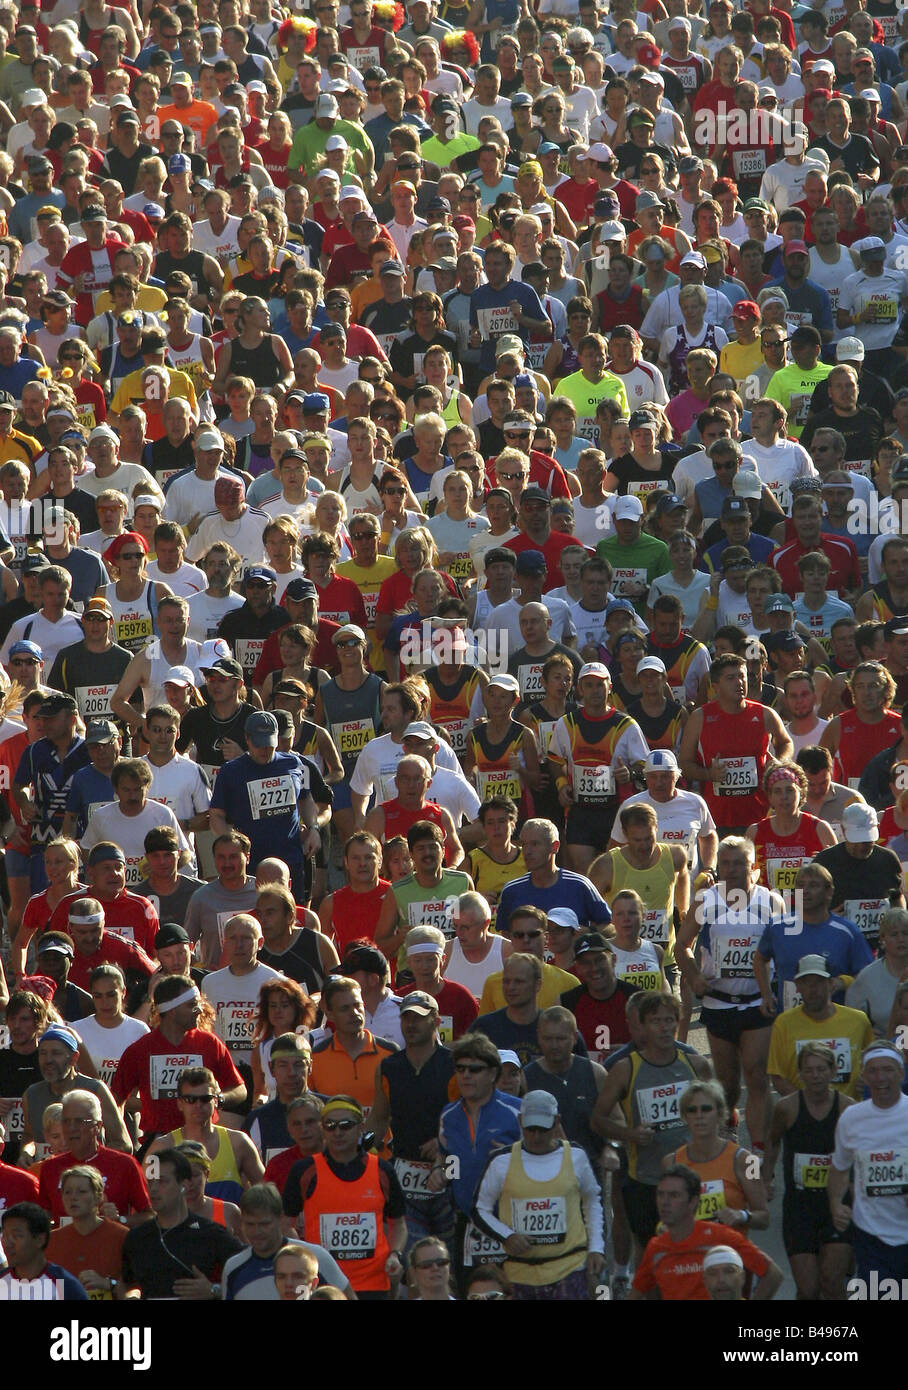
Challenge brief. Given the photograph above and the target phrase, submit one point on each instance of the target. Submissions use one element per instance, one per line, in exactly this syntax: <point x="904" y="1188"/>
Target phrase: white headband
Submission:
<point x="425" y="948"/>
<point x="184" y="998"/>
<point x="90" y="919"/>
<point x="884" y="1049"/>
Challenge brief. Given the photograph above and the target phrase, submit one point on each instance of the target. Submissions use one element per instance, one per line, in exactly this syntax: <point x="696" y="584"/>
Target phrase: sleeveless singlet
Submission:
<point x="352" y="717"/>
<point x="780" y="856"/>
<point x="739" y="799"/>
<point x="807" y="1150"/>
<point x="677" y="358"/>
<point x="359" y="500"/>
<point x="347" y="1220"/>
<point x="473" y="975"/>
<point x="492" y="772"/>
<point x="859" y="742"/>
<point x="557" y="1233"/>
<point x="223" y="1183"/>
<point x="570" y="362"/>
<point x="398" y="820"/>
<point x="728" y="939"/>
<point x="656" y="886"/>
<point x="160" y="666"/>
<point x="135" y="619"/>
<point x="354" y="915"/>
<point x="259" y="362"/>
<point x="654" y="1099"/>
<point x="884" y="605"/>
<point x="576" y="1095"/>
<point x="301" y="961"/>
<point x="639" y="968"/>
<point x="719" y="1185"/>
<point x="660" y="730"/>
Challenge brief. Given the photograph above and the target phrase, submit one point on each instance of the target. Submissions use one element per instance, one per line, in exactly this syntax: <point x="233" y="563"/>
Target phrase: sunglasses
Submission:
<point x="441" y="1263"/>
<point x="526" y="935"/>
<point x="471" y="1070"/>
<point x="199" y="1100"/>
<point x="342" y="1125"/>
<point x="699" y="1109"/>
<point x="350" y="642"/>
<point x="132" y="555"/>
<point x="393" y="492"/>
<point x="485" y="1297"/>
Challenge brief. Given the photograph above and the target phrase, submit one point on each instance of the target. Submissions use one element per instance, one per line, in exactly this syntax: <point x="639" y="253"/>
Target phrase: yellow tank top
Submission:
<point x="223" y="1177"/>
<point x="550" y="1215"/>
<point x="490" y="877"/>
<point x="656" y="887"/>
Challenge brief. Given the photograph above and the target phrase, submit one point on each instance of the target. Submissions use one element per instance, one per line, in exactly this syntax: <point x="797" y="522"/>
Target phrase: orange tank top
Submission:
<point x="347" y="1220"/>
<point x="719" y="1185"/>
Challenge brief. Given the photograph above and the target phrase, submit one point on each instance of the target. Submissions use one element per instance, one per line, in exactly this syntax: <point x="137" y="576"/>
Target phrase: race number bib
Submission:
<point x="639" y="487"/>
<point x="480" y="1249"/>
<point x="271" y="796"/>
<point x="434" y="913"/>
<point x="884" y="306"/>
<point x="94" y="700"/>
<point x="494" y="322"/>
<point x="639" y="975"/>
<point x="461" y="567"/>
<point x="712" y="1199"/>
<point x="655" y="926"/>
<point x="387" y="787"/>
<point x="543" y="1220"/>
<point x="413" y="1178"/>
<point x="734" y="957"/>
<point x="165" y="1072"/>
<point x="626" y="582"/>
<point x="749" y="163"/>
<point x="363" y="58"/>
<point x="446" y="1029"/>
<point x="498" y="782"/>
<point x="660" y="1106"/>
<point x="14" y="1119"/>
<point x="235" y="1025"/>
<point x="782" y="874"/>
<point x="740" y="777"/>
<point x="544" y="731"/>
<point x="791" y="995"/>
<point x="866" y="913"/>
<point x="457" y="730"/>
<point x="124" y="933"/>
<point x="529" y="678"/>
<point x="841" y="1050"/>
<point x="884" y="1173"/>
<point x="349" y="1235"/>
<point x="248" y="651"/>
<point x="352" y="736"/>
<point x="592" y="784"/>
<point x="134" y="632"/>
<point x="811" y="1171"/>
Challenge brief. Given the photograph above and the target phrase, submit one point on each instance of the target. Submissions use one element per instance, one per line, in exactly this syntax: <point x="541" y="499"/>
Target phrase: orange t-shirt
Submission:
<point x="102" y="1251"/>
<point x="200" y="116"/>
<point x="666" y="234"/>
<point x="335" y="1073"/>
<point x="674" y="1267"/>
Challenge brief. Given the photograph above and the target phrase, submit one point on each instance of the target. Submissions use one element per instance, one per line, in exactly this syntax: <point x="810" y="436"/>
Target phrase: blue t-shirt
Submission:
<point x="68" y="1286"/>
<point x="486" y="298"/>
<point x="809" y="301"/>
<point x="13" y="378"/>
<point x="571" y="890"/>
<point x="568" y="457"/>
<point x="497" y="1128"/>
<point x="758" y="547"/>
<point x="88" y="790"/>
<point x="262" y="800"/>
<point x="50" y="777"/>
<point x="837" y="940"/>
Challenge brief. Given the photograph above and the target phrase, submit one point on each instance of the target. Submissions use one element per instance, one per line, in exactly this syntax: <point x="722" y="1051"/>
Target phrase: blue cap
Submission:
<point x="26" y="649"/>
<point x="261" y="729"/>
<point x="619" y="605"/>
<point x="179" y="164"/>
<point x="155" y="209"/>
<point x="531" y="562"/>
<point x="548" y="147"/>
<point x="523" y="379"/>
<point x="315" y="401"/>
<point x="778" y="603"/>
<point x="260" y="572"/>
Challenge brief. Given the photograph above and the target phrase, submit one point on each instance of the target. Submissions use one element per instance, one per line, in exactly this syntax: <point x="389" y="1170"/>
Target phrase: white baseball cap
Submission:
<point x="628" y="508"/>
<point x="860" y="824"/>
<point x="651" y="663"/>
<point x="597" y="669"/>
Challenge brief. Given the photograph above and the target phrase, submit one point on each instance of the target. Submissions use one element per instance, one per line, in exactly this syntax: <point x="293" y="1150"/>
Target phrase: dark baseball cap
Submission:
<point x="171" y="934"/>
<point x="300" y="589"/>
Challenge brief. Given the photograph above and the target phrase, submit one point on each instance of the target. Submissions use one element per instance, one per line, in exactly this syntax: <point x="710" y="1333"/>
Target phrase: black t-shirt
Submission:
<point x="862" y="431"/>
<point x="405" y="351"/>
<point x="856" y="879"/>
<point x="873" y="392"/>
<point x="124" y="168"/>
<point x="18" y="1071"/>
<point x="858" y="156"/>
<point x="154" y="1259"/>
<point x="82" y="506"/>
<point x="201" y="727"/>
<point x="162" y="459"/>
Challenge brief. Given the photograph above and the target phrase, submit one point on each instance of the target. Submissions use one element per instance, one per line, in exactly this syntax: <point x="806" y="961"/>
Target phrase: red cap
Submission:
<point x="462" y="223"/>
<point x="794" y="246"/>
<point x="746" y="309"/>
<point x="649" y="55"/>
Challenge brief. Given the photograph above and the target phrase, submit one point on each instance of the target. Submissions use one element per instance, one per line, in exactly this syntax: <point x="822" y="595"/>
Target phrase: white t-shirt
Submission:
<point x="377" y="764"/>
<point x="876" y="1142"/>
<point x="832" y="278"/>
<point x="180" y="785"/>
<point x="778" y="465"/>
<point x="124" y="478"/>
<point x="50" y="637"/>
<point x="235" y="1001"/>
<point x="220" y="247"/>
<point x="472" y="113"/>
<point x="109" y="823"/>
<point x="190" y="496"/>
<point x="205" y="613"/>
<point x="679" y="821"/>
<point x="506" y="618"/>
<point x="689" y="597"/>
<point x="244" y="534"/>
<point x="185" y="582"/>
<point x="107" y="1045"/>
<point x="884" y="293"/>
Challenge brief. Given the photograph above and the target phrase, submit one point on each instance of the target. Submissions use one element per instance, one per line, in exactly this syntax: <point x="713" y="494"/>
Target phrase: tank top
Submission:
<point x="489" y="877"/>
<point x="451" y="412"/>
<point x="259" y="362"/>
<point x="544" y="723"/>
<point x="550" y="1214"/>
<point x="354" y="915"/>
<point x="656" y="887"/>
<point x="189" y="359"/>
<point x="859" y="742"/>
<point x="398" y="820"/>
<point x="360" y="500"/>
<point x="807" y="1150"/>
<point x="159" y="666"/>
<point x="728" y="939"/>
<point x="570" y="362"/>
<point x="654" y="1098"/>
<point x="449" y="705"/>
<point x="352" y="717"/>
<point x="739" y="799"/>
<point x="660" y="730"/>
<point x="719" y="1185"/>
<point x="592" y="748"/>
<point x="677" y="358"/>
<point x="493" y="773"/>
<point x="884" y="605"/>
<point x="218" y="1211"/>
<point x="223" y="1182"/>
<point x="473" y="974"/>
<point x="634" y="480"/>
<point x="301" y="961"/>
<point x="780" y="856"/>
<point x="347" y="1220"/>
<point x="135" y="619"/>
<point x="639" y="967"/>
<point x="576" y="1095"/>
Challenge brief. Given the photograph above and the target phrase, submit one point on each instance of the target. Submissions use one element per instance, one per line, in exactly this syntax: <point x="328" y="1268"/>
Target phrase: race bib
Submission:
<point x="271" y="796"/>
<point x="592" y="784"/>
<point x="457" y="730"/>
<point x="494" y="322"/>
<point x="841" y="1049"/>
<point x="866" y="913"/>
<point x="248" y="651"/>
<point x="639" y="487"/>
<point x="529" y="678"/>
<point x="480" y="1249"/>
<point x="884" y="1173"/>
<point x="435" y="913"/>
<point x="165" y="1072"/>
<point x="14" y="1120"/>
<point x="363" y="58"/>
<point x="885" y="308"/>
<point x="349" y="1235"/>
<point x="386" y="785"/>
<point x="811" y="1171"/>
<point x="461" y="567"/>
<point x="498" y="782"/>
<point x="543" y="1220"/>
<point x="712" y="1199"/>
<point x="679" y="693"/>
<point x="660" y="1106"/>
<point x="544" y="731"/>
<point x="106" y="1067"/>
<point x="740" y="777"/>
<point x="352" y="736"/>
<point x="782" y="874"/>
<point x="791" y="995"/>
<point x="640" y="975"/>
<point x="135" y="632"/>
<point x="655" y="926"/>
<point x="236" y="1025"/>
<point x="413" y="1178"/>
<point x="94" y="700"/>
<point x="446" y="1029"/>
<point x="629" y="579"/>
<point x="734" y="957"/>
<point x="748" y="163"/>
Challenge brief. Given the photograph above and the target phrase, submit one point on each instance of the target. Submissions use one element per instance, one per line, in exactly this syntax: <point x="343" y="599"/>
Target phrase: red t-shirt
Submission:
<point x="275" y="161"/>
<point x="124" y="1181"/>
<point x="128" y="915"/>
<point x="675" y="1267"/>
<point x="112" y="951"/>
<point x="839" y="550"/>
<point x="341" y="601"/>
<point x="324" y="653"/>
<point x="577" y="198"/>
<point x="457" y="1009"/>
<point x="355" y="915"/>
<point x="611" y="313"/>
<point x="16" y="1186"/>
<point x="360" y="343"/>
<point x="153" y="1065"/>
<point x="98" y="272"/>
<point x="545" y="472"/>
<point x="278" y="1169"/>
<point x="397" y="591"/>
<point x="551" y="549"/>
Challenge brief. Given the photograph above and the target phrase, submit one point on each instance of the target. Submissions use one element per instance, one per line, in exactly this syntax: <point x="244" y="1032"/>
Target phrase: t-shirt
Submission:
<point x="235" y="1001"/>
<point x="153" y="1065"/>
<point x="262" y="801"/>
<point x="154" y="1266"/>
<point x="875" y="1140"/>
<point x="675" y="1267"/>
<point x="847" y="1031"/>
<point x="457" y="1009"/>
<point x="124" y="1181"/>
<point x="107" y="1045"/>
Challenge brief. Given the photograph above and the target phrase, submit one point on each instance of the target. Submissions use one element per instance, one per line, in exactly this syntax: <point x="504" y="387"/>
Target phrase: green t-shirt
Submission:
<point x="793" y="387"/>
<point x="441" y="154"/>
<point x="431" y="907"/>
<point x="639" y="563"/>
<point x="309" y="142"/>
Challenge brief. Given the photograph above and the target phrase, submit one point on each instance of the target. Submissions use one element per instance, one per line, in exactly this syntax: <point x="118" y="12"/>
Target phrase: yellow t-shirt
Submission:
<point x="740" y="359"/>
<point x="129" y="392"/>
<point x="848" y="1032"/>
<point x="149" y="299"/>
<point x="21" y="448"/>
<point x="555" y="982"/>
<point x="369" y="581"/>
